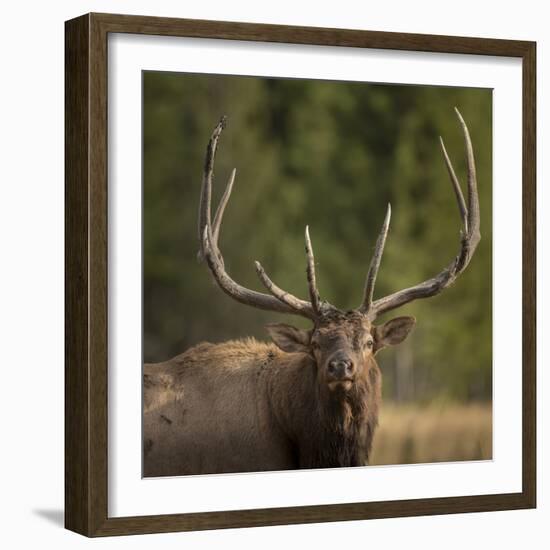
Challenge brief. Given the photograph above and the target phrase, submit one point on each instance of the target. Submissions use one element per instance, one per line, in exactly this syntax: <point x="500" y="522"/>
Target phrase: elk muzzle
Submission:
<point x="340" y="372"/>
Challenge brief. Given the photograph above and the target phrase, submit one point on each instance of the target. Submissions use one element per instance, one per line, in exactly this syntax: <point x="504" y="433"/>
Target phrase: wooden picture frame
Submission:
<point x="86" y="283"/>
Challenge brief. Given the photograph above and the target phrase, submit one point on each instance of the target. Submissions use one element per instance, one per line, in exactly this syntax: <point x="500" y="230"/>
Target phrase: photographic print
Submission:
<point x="317" y="274"/>
<point x="292" y="257"/>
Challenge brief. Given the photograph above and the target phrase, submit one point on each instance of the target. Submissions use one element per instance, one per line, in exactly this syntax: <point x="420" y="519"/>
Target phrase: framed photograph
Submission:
<point x="300" y="275"/>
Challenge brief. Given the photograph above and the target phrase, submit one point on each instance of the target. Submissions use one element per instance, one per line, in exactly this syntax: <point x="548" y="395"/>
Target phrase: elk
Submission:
<point x="309" y="399"/>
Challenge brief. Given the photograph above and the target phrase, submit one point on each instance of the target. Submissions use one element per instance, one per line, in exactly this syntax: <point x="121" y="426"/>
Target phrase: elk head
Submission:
<point x="341" y="343"/>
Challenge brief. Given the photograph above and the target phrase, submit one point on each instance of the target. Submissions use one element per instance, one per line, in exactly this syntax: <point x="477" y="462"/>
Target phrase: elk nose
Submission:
<point x="340" y="368"/>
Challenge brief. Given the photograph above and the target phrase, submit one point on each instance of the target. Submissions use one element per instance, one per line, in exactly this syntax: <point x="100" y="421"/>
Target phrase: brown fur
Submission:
<point x="245" y="405"/>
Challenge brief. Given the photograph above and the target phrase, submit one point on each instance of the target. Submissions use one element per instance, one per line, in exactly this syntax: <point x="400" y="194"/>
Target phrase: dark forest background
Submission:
<point x="330" y="155"/>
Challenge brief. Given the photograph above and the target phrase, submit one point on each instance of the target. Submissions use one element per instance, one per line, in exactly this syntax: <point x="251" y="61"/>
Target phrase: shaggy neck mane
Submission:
<point x="328" y="429"/>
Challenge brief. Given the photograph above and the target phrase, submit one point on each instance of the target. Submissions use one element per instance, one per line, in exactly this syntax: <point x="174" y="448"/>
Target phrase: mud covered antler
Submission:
<point x="281" y="301"/>
<point x="470" y="237"/>
<point x="278" y="300"/>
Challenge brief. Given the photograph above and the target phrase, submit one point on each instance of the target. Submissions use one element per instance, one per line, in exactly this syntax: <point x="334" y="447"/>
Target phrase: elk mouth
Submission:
<point x="340" y="385"/>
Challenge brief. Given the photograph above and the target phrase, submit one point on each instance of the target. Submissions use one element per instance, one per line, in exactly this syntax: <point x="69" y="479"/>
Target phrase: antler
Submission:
<point x="470" y="237"/>
<point x="375" y="262"/>
<point x="279" y="300"/>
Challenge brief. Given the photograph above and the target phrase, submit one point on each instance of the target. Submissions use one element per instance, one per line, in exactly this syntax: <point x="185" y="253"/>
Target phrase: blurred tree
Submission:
<point x="330" y="155"/>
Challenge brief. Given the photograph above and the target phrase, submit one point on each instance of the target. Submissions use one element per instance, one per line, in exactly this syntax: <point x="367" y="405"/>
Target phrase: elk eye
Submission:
<point x="369" y="343"/>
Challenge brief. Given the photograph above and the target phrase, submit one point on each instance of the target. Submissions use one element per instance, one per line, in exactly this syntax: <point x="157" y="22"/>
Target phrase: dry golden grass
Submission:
<point x="409" y="434"/>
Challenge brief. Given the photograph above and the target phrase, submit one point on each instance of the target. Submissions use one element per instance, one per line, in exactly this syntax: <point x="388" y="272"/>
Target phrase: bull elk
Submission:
<point x="311" y="398"/>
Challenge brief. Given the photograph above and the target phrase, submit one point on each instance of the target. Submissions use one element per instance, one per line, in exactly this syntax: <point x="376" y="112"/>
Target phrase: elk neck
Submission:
<point x="327" y="429"/>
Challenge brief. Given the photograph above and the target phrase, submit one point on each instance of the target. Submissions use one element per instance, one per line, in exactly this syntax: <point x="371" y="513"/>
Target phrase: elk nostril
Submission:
<point x="333" y="366"/>
<point x="349" y="367"/>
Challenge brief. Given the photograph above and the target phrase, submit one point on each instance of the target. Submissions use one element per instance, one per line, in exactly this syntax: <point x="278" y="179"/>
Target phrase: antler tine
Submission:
<point x="221" y="207"/>
<point x="242" y="294"/>
<point x="283" y="296"/>
<point x="311" y="281"/>
<point x="473" y="197"/>
<point x="205" y="205"/>
<point x="280" y="301"/>
<point x="375" y="263"/>
<point x="456" y="187"/>
<point x="469" y="241"/>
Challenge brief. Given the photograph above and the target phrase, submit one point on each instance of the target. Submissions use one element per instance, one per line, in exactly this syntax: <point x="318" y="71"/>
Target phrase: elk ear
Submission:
<point x="393" y="332"/>
<point x="288" y="338"/>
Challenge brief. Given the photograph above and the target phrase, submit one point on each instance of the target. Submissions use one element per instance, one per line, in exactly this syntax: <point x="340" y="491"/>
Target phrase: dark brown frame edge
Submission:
<point x="86" y="274"/>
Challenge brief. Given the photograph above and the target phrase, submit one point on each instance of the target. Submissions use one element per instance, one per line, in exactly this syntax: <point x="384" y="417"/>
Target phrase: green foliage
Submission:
<point x="330" y="155"/>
